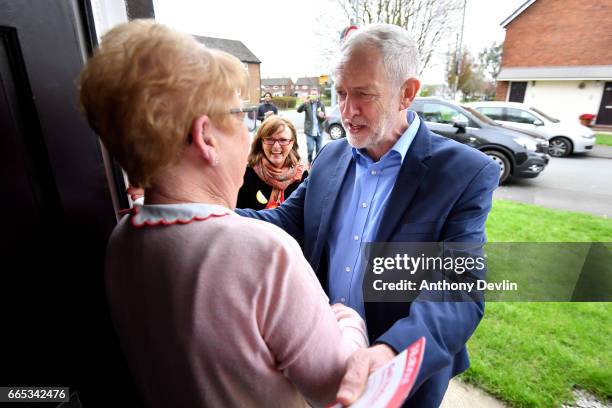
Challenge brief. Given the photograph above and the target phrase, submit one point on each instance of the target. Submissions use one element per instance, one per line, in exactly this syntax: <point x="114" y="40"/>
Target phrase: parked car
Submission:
<point x="564" y="137"/>
<point x="333" y="124"/>
<point x="519" y="153"/>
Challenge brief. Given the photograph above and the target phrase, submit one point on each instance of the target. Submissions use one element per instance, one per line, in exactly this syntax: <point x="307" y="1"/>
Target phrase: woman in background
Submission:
<point x="274" y="170"/>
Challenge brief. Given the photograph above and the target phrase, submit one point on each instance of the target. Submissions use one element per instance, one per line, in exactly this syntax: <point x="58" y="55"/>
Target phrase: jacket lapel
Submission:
<point x="411" y="173"/>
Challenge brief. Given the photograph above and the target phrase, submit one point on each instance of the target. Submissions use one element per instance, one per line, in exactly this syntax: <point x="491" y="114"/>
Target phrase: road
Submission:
<point x="577" y="183"/>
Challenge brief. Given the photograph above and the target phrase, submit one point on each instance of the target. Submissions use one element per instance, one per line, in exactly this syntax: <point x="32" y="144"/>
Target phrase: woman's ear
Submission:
<point x="204" y="141"/>
<point x="410" y="89"/>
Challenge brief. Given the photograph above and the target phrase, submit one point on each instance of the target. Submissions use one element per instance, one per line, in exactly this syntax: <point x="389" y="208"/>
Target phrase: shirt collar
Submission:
<point x="169" y="214"/>
<point x="402" y="144"/>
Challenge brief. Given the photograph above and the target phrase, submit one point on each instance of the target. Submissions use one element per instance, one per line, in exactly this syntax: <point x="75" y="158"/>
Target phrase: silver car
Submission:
<point x="333" y="124"/>
<point x="564" y="137"/>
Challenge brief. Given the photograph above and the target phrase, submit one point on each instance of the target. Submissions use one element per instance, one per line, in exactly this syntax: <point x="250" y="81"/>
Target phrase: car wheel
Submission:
<point x="336" y="131"/>
<point x="502" y="161"/>
<point x="560" y="147"/>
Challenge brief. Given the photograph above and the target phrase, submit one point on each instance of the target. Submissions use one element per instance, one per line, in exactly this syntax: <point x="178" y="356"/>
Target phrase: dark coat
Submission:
<point x="307" y="107"/>
<point x="253" y="183"/>
<point x="266" y="107"/>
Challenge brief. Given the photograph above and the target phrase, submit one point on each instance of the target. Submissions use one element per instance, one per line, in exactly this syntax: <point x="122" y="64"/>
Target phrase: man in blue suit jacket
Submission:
<point x="391" y="181"/>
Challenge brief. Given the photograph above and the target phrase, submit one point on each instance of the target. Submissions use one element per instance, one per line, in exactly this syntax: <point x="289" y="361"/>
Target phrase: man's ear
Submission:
<point x="203" y="139"/>
<point x="410" y="89"/>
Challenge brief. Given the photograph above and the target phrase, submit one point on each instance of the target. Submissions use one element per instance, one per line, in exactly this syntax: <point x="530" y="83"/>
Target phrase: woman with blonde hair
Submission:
<point x="274" y="170"/>
<point x="211" y="309"/>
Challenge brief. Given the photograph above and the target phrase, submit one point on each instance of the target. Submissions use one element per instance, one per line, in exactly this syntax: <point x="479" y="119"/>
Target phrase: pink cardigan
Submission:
<point x="216" y="310"/>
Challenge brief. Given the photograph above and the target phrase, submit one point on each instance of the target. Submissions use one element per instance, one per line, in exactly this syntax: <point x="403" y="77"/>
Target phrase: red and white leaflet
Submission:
<point x="389" y="386"/>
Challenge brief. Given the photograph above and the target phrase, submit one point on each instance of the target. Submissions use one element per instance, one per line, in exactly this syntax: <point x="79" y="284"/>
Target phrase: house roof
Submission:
<point x="558" y="73"/>
<point x="310" y="81"/>
<point x="275" y="81"/>
<point x="233" y="47"/>
<point x="517" y="12"/>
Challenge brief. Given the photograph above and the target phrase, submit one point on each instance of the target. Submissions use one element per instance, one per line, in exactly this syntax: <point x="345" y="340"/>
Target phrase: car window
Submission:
<point x="438" y="113"/>
<point x="480" y="116"/>
<point x="553" y="120"/>
<point x="495" y="113"/>
<point x="519" y="116"/>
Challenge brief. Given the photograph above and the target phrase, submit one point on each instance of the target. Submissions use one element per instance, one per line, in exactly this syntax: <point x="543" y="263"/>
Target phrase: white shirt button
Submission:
<point x="348" y="269"/>
<point x="342" y="300"/>
<point x="356" y="237"/>
<point x="373" y="172"/>
<point x="364" y="205"/>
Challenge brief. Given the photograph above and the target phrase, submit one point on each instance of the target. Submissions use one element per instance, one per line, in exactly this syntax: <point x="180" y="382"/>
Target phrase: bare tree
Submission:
<point x="471" y="81"/>
<point x="490" y="59"/>
<point x="432" y="23"/>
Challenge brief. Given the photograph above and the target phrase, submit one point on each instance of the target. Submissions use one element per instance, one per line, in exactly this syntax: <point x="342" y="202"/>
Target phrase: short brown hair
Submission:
<point x="145" y="85"/>
<point x="269" y="127"/>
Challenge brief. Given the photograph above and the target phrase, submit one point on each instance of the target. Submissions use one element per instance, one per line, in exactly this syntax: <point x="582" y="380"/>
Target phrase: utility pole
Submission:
<point x="458" y="53"/>
<point x="352" y="23"/>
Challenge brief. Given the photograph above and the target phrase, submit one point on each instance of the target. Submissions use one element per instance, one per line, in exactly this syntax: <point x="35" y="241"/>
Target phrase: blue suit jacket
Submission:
<point x="443" y="192"/>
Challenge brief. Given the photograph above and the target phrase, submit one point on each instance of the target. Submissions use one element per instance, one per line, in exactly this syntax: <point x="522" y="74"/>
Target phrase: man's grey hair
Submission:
<point x="399" y="52"/>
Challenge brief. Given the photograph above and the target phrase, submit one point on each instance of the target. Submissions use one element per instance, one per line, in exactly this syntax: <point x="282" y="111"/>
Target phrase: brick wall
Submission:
<point x="560" y="32"/>
<point x="501" y="90"/>
<point x="254" y="84"/>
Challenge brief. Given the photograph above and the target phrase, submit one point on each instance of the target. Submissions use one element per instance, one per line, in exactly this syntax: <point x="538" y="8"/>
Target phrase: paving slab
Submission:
<point x="462" y="395"/>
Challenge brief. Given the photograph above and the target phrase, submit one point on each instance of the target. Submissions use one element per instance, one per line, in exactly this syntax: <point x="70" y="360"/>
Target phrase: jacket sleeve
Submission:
<point x="447" y="326"/>
<point x="301" y="108"/>
<point x="289" y="216"/>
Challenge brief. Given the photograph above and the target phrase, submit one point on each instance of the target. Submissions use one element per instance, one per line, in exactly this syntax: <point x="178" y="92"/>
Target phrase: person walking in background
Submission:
<point x="274" y="170"/>
<point x="267" y="108"/>
<point x="313" y="124"/>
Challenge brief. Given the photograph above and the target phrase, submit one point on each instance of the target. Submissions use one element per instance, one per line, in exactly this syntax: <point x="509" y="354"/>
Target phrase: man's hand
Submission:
<point x="359" y="367"/>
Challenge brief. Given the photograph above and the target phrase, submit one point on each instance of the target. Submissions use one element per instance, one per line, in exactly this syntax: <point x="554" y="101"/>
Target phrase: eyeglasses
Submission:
<point x="248" y="114"/>
<point x="270" y="141"/>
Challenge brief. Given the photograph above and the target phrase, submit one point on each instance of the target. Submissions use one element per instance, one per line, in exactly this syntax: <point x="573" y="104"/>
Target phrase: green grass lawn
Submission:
<point x="534" y="354"/>
<point x="603" y="139"/>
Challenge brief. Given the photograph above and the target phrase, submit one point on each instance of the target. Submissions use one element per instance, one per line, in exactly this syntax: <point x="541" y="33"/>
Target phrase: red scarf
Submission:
<point x="278" y="179"/>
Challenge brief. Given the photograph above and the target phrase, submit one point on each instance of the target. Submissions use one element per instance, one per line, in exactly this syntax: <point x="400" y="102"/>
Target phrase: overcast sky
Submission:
<point x="287" y="36"/>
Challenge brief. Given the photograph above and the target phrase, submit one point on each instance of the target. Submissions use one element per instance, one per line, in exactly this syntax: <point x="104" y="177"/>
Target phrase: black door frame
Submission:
<point x="604" y="115"/>
<point x="57" y="328"/>
<point x="517" y="91"/>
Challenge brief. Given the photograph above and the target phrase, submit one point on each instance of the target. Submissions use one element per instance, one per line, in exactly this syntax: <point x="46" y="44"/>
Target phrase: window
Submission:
<point x="519" y="116"/>
<point x="437" y="113"/>
<point x="492" y="112"/>
<point x="550" y="118"/>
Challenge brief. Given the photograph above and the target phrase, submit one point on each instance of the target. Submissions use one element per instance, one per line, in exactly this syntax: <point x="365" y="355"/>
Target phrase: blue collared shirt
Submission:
<point x="315" y="121"/>
<point x="358" y="212"/>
